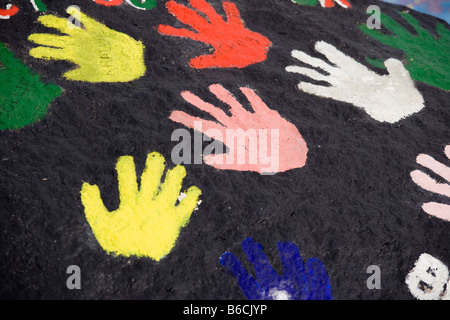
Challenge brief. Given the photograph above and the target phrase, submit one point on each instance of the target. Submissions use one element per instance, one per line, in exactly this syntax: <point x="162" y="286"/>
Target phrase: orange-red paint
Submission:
<point x="109" y="3"/>
<point x="13" y="10"/>
<point x="234" y="44"/>
<point x="330" y="3"/>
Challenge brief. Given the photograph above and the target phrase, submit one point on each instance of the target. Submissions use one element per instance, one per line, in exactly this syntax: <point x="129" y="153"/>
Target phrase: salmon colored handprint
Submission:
<point x="260" y="141"/>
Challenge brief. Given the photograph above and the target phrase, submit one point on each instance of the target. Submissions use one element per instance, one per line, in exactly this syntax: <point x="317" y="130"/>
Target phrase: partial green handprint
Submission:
<point x="426" y="56"/>
<point x="323" y="3"/>
<point x="306" y="2"/>
<point x="24" y="99"/>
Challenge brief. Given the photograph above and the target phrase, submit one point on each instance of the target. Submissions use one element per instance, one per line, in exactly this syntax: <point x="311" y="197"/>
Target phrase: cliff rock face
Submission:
<point x="101" y="100"/>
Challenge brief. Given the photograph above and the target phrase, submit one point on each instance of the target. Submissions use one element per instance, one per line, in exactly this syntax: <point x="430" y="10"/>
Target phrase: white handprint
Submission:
<point x="387" y="98"/>
<point x="423" y="180"/>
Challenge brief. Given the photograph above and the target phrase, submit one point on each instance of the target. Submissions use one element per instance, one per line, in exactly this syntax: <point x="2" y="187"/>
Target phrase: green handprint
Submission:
<point x="23" y="97"/>
<point x="426" y="56"/>
<point x="307" y="2"/>
<point x="323" y="3"/>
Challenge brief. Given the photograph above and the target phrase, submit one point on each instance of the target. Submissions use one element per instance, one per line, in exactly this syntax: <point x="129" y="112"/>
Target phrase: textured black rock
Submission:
<point x="353" y="204"/>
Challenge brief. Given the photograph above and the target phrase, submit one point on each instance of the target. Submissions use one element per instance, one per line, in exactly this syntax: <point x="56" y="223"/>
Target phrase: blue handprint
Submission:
<point x="298" y="282"/>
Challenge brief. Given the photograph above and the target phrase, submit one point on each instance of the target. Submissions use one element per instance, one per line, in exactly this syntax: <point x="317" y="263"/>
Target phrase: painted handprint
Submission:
<point x="102" y="54"/>
<point x="426" y="182"/>
<point x="248" y="135"/>
<point x="149" y="219"/>
<point x="426" y="56"/>
<point x="234" y="45"/>
<point x="299" y="281"/>
<point x="39" y="6"/>
<point x="24" y="99"/>
<point x="138" y="4"/>
<point x="387" y="98"/>
<point x="323" y="3"/>
<point x="11" y="10"/>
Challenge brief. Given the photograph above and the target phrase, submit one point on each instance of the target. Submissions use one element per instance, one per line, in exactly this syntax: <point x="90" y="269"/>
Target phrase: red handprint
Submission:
<point x="330" y="3"/>
<point x="109" y="3"/>
<point x="10" y="11"/>
<point x="234" y="44"/>
<point x="249" y="136"/>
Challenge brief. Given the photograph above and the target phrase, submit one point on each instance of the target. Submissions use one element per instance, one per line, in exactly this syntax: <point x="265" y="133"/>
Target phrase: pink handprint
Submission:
<point x="439" y="210"/>
<point x="248" y="135"/>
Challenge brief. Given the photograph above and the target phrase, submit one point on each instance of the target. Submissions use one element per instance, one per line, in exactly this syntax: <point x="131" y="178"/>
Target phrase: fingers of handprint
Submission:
<point x="126" y="176"/>
<point x="333" y="54"/>
<point x="396" y="69"/>
<point x="344" y="3"/>
<point x="438" y="210"/>
<point x="192" y="122"/>
<point x="245" y="280"/>
<point x="171" y="187"/>
<point x="61" y="24"/>
<point x="207" y="9"/>
<point x="225" y="96"/>
<point x="93" y="203"/>
<point x="217" y="113"/>
<point x="330" y="3"/>
<point x="443" y="31"/>
<point x="89" y="23"/>
<point x="109" y="3"/>
<point x="186" y="206"/>
<point x="10" y="11"/>
<point x="187" y="16"/>
<point x="428" y="183"/>
<point x="395" y="27"/>
<point x="315" y="62"/>
<point x="310" y="88"/>
<point x="307" y="72"/>
<point x="263" y="269"/>
<point x="447" y="151"/>
<point x="422" y="32"/>
<point x="319" y="281"/>
<point x="181" y="32"/>
<point x="232" y="12"/>
<point x="207" y="60"/>
<point x="49" y="53"/>
<point x="142" y="4"/>
<point x="151" y="177"/>
<point x="49" y="40"/>
<point x="258" y="105"/>
<point x="292" y="262"/>
<point x="434" y="165"/>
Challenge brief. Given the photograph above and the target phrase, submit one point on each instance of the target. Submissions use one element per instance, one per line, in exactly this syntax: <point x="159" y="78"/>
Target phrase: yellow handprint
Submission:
<point x="102" y="54"/>
<point x="148" y="220"/>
